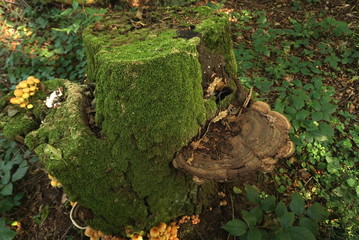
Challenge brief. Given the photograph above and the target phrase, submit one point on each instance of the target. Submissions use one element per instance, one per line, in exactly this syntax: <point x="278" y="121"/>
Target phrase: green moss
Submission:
<point x="19" y="124"/>
<point x="149" y="104"/>
<point x="126" y="186"/>
<point x="218" y="40"/>
<point x="211" y="108"/>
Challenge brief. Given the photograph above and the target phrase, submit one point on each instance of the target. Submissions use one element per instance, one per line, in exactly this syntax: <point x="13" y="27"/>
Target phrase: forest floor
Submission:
<point x="44" y="212"/>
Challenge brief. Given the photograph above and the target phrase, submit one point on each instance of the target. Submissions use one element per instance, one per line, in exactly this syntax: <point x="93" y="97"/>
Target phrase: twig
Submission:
<point x="232" y="206"/>
<point x="200" y="235"/>
<point x="245" y="104"/>
<point x="63" y="236"/>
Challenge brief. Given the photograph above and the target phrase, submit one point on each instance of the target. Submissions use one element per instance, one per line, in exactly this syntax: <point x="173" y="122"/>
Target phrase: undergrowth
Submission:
<point x="36" y="40"/>
<point x="44" y="41"/>
<point x="296" y="69"/>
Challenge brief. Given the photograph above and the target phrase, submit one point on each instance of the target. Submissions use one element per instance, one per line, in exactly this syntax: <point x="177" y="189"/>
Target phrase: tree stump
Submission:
<point x="161" y="79"/>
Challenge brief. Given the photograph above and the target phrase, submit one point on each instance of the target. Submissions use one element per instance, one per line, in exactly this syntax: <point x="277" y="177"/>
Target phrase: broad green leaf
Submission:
<point x="300" y="233"/>
<point x="5" y="232"/>
<point x="235" y="227"/>
<point x="298" y="102"/>
<point x="5" y="178"/>
<point x="20" y="171"/>
<point x="326" y="129"/>
<point x="254" y="234"/>
<point x="6" y="205"/>
<point x="257" y="213"/>
<point x="351" y="182"/>
<point x="252" y="194"/>
<point x="282" y="234"/>
<point x="317" y="116"/>
<point x="302" y="114"/>
<point x="290" y="110"/>
<point x="316" y="105"/>
<point x="281" y="209"/>
<point x="317" y="212"/>
<point x="249" y="218"/>
<point x="309" y="224"/>
<point x="265" y="234"/>
<point x="7" y="190"/>
<point x="297" y="205"/>
<point x="268" y="203"/>
<point x="305" y="71"/>
<point x="287" y="220"/>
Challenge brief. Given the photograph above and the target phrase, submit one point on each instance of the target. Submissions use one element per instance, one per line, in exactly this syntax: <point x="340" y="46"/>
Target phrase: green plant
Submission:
<point x="270" y="219"/>
<point x="5" y="232"/>
<point x="295" y="68"/>
<point x="46" y="42"/>
<point x="13" y="167"/>
<point x="42" y="215"/>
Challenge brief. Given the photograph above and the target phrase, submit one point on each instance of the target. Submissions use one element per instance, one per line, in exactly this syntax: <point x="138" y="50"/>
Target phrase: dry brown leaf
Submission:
<point x="213" y="86"/>
<point x="220" y="116"/>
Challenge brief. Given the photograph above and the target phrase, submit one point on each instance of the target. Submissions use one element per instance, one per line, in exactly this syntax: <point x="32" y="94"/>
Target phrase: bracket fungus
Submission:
<point x="261" y="137"/>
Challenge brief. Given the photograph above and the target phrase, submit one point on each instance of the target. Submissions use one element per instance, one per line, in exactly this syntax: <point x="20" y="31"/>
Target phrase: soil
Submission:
<point x="44" y="212"/>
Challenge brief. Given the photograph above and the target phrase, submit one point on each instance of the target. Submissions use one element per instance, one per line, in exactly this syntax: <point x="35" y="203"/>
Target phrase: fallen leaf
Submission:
<point x="220" y="116"/>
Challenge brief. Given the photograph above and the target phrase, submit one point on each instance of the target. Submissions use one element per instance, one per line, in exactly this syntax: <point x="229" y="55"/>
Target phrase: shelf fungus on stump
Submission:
<point x="261" y="137"/>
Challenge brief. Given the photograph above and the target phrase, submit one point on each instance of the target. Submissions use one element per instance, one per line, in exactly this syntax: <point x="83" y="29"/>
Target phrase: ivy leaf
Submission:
<point x="235" y="227"/>
<point x="20" y="171"/>
<point x="309" y="224"/>
<point x="5" y="178"/>
<point x="300" y="233"/>
<point x="297" y="205"/>
<point x="7" y="189"/>
<point x="254" y="234"/>
<point x="252" y="194"/>
<point x="6" y="205"/>
<point x="268" y="203"/>
<point x="281" y="209"/>
<point x="317" y="212"/>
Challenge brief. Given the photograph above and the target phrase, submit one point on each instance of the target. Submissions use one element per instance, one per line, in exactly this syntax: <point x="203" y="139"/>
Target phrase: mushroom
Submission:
<point x="262" y="138"/>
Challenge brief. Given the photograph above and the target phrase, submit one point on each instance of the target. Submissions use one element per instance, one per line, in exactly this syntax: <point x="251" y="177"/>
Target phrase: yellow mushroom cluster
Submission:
<point x="164" y="232"/>
<point x="54" y="182"/>
<point x="24" y="90"/>
<point x="194" y="219"/>
<point x="93" y="234"/>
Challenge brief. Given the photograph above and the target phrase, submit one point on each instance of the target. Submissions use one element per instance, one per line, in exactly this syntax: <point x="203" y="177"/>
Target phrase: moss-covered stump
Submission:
<point x="150" y="71"/>
<point x="159" y="76"/>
